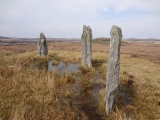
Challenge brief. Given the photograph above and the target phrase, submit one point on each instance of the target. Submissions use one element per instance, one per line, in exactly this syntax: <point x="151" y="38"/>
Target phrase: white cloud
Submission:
<point x="145" y="5"/>
<point x="65" y="18"/>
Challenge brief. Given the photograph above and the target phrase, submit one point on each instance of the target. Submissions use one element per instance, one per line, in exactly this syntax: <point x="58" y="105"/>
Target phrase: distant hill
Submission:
<point x="2" y="37"/>
<point x="139" y="39"/>
<point x="126" y="39"/>
<point x="101" y="39"/>
<point x="12" y="40"/>
<point x="35" y="39"/>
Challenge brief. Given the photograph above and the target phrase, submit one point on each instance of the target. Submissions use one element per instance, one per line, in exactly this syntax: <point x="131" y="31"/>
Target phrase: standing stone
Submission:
<point x="113" y="67"/>
<point x="42" y="49"/>
<point x="87" y="46"/>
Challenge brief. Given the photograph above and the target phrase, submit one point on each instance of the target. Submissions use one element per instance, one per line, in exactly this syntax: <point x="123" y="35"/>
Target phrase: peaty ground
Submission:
<point x="31" y="93"/>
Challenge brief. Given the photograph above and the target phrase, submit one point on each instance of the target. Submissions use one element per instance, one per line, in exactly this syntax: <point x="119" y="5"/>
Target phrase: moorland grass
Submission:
<point x="29" y="93"/>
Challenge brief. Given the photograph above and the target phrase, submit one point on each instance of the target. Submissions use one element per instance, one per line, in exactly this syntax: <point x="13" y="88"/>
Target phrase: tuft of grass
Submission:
<point x="66" y="56"/>
<point x="68" y="77"/>
<point x="86" y="70"/>
<point x="55" y="63"/>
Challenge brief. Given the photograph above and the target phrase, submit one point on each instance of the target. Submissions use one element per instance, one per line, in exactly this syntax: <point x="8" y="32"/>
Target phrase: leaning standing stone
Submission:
<point x="113" y="67"/>
<point x="42" y="48"/>
<point x="86" y="46"/>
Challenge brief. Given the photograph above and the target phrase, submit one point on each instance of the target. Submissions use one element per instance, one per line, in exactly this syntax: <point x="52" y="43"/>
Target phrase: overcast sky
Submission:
<point x="65" y="18"/>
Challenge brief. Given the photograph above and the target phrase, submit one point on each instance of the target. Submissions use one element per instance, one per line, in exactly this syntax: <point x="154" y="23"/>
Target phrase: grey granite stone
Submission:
<point x="113" y="67"/>
<point x="86" y="46"/>
<point x="42" y="48"/>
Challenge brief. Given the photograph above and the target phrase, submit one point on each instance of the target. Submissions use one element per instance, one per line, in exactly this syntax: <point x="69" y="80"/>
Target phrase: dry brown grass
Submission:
<point x="140" y="49"/>
<point x="55" y="63"/>
<point x="29" y="93"/>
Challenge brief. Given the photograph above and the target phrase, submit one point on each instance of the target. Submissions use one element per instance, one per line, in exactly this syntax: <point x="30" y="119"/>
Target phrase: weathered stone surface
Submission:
<point x="42" y="48"/>
<point x="86" y="46"/>
<point x="113" y="67"/>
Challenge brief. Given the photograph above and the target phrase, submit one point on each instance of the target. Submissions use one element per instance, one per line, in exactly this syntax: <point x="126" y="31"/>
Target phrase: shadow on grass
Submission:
<point x="126" y="97"/>
<point x="88" y="97"/>
<point x="97" y="63"/>
<point x="89" y="105"/>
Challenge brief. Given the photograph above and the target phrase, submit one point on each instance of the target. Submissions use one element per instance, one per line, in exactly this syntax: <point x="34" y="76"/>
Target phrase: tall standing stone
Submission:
<point x="86" y="46"/>
<point x="42" y="48"/>
<point x="113" y="67"/>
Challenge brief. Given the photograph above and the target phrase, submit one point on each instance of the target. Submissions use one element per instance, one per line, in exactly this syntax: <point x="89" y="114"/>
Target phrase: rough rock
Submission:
<point x="42" y="48"/>
<point x="86" y="46"/>
<point x="113" y="67"/>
